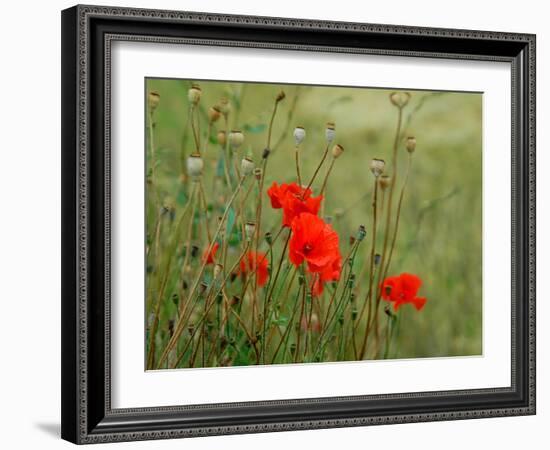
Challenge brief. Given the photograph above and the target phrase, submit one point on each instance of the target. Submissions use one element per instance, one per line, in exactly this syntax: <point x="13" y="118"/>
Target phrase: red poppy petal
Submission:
<point x="419" y="302"/>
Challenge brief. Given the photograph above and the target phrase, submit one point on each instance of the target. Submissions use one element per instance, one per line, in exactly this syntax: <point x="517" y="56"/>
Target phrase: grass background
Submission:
<point x="441" y="224"/>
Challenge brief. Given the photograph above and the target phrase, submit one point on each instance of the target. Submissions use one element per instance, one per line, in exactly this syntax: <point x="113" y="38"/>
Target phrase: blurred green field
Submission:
<point x="440" y="230"/>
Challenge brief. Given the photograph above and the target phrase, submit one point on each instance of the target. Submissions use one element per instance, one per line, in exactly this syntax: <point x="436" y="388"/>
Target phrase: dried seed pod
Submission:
<point x="384" y="182"/>
<point x="195" y="164"/>
<point x="153" y="100"/>
<point x="213" y="114"/>
<point x="249" y="230"/>
<point x="299" y="135"/>
<point x="222" y="138"/>
<point x="411" y="144"/>
<point x="377" y="167"/>
<point x="330" y="132"/>
<point x="194" y="94"/>
<point x="280" y="96"/>
<point x="337" y="150"/>
<point x="247" y="166"/>
<point x="236" y="139"/>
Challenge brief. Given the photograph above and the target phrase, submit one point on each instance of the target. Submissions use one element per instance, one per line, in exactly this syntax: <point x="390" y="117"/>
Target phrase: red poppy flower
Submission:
<point x="403" y="289"/>
<point x="330" y="273"/>
<point x="294" y="200"/>
<point x="208" y="256"/>
<point x="315" y="242"/>
<point x="257" y="262"/>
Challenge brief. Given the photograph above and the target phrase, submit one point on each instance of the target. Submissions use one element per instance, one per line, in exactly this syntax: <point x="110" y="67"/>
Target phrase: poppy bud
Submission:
<point x="235" y="300"/>
<point x="352" y="240"/>
<point x="153" y="100"/>
<point x="249" y="229"/>
<point x="299" y="135"/>
<point x="194" y="251"/>
<point x="236" y="139"/>
<point x="337" y="150"/>
<point x="258" y="173"/>
<point x="202" y="288"/>
<point x="400" y="99"/>
<point x="341" y="319"/>
<point x="195" y="165"/>
<point x="194" y="94"/>
<point x="191" y="328"/>
<point x="388" y="312"/>
<point x="411" y="144"/>
<point x="330" y="132"/>
<point x="377" y="259"/>
<point x="247" y="166"/>
<point x="175" y="298"/>
<point x="280" y="96"/>
<point x="213" y="114"/>
<point x="218" y="268"/>
<point x="301" y="279"/>
<point x="222" y="138"/>
<point x="171" y="327"/>
<point x="354" y="314"/>
<point x="266" y="153"/>
<point x="361" y="233"/>
<point x="377" y="166"/>
<point x="269" y="238"/>
<point x="293" y="348"/>
<point x="384" y="182"/>
<point x="224" y="106"/>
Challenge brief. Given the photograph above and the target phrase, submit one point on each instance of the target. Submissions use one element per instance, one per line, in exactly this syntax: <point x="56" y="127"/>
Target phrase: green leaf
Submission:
<point x="258" y="128"/>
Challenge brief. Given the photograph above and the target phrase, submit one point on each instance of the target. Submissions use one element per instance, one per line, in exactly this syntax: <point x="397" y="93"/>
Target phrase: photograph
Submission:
<point x="310" y="224"/>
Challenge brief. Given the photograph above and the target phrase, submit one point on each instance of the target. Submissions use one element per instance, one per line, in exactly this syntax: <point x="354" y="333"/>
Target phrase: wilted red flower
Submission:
<point x="315" y="242"/>
<point x="253" y="261"/>
<point x="294" y="200"/>
<point x="208" y="256"/>
<point x="403" y="289"/>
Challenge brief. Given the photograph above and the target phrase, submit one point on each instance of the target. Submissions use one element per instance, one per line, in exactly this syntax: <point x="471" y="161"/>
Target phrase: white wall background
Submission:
<point x="30" y="225"/>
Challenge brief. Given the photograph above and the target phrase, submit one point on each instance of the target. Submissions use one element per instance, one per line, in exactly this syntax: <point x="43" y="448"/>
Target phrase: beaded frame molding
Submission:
<point x="87" y="35"/>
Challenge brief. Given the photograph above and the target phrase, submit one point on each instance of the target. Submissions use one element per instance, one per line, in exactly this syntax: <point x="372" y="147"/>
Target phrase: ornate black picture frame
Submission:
<point x="87" y="34"/>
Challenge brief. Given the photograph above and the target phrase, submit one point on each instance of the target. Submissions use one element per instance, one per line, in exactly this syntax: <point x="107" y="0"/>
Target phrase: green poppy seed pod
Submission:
<point x="213" y="114"/>
<point x="377" y="167"/>
<point x="249" y="230"/>
<point x="153" y="100"/>
<point x="194" y="94"/>
<point x="330" y="132"/>
<point x="337" y="150"/>
<point x="195" y="164"/>
<point x="299" y="135"/>
<point x="411" y="144"/>
<point x="280" y="96"/>
<point x="224" y="106"/>
<point x="247" y="166"/>
<point x="222" y="138"/>
<point x="384" y="182"/>
<point x="236" y="139"/>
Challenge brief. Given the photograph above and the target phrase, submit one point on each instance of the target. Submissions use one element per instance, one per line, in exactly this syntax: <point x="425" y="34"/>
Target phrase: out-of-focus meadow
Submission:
<point x="441" y="221"/>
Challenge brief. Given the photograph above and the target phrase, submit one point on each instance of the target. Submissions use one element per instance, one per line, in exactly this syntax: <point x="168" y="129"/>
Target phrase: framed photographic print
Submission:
<point x="281" y="224"/>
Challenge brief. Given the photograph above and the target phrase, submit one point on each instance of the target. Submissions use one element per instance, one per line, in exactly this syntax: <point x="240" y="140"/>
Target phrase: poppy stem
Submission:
<point x="324" y="186"/>
<point x="297" y="159"/>
<point x="180" y="325"/>
<point x="318" y="168"/>
<point x="387" y="227"/>
<point x="193" y="128"/>
<point x="163" y="282"/>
